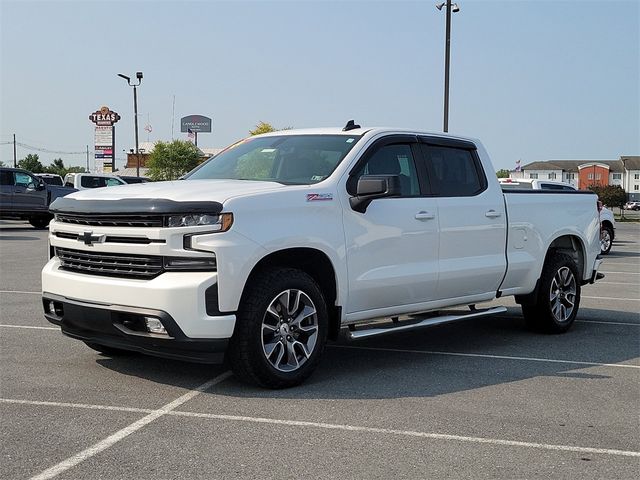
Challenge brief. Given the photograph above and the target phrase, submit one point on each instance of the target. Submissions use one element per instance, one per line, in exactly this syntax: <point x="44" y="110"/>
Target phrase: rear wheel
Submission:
<point x="111" y="351"/>
<point x="281" y="329"/>
<point x="606" y="239"/>
<point x="558" y="296"/>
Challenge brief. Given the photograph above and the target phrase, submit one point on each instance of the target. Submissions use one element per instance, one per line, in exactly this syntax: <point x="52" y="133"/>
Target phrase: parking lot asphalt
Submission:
<point x="482" y="398"/>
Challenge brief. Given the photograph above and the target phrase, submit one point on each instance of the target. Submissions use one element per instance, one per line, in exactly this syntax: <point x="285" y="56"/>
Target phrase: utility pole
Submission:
<point x="135" y="117"/>
<point x="15" y="160"/>
<point x="135" y="114"/>
<point x="88" y="158"/>
<point x="447" y="56"/>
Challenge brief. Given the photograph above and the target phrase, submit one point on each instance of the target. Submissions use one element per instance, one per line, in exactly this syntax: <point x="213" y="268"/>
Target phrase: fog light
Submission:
<point x="54" y="308"/>
<point x="154" y="326"/>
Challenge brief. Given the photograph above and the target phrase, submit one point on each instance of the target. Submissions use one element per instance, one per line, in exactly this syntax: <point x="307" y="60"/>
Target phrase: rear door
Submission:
<point x="472" y="220"/>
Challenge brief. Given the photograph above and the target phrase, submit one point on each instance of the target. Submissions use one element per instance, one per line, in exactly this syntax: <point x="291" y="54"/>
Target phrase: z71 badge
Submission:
<point x="319" y="197"/>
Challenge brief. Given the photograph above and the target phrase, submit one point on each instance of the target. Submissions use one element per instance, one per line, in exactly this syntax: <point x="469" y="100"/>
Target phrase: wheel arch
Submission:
<point x="570" y="244"/>
<point x="609" y="225"/>
<point x="316" y="264"/>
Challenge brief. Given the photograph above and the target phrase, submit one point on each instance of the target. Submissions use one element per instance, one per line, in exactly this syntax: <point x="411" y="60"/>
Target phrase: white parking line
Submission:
<point x="625" y="273"/>
<point x="612" y="298"/>
<point x="305" y="424"/>
<point x="19" y="291"/>
<point x="484" y="355"/>
<point x="599" y="322"/>
<point x="74" y="405"/>
<point x="27" y="326"/>
<point x="125" y="432"/>
<point x="411" y="433"/>
<point x="628" y="324"/>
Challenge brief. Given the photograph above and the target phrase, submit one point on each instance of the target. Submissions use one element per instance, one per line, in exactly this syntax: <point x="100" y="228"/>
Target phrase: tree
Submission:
<point x="1" y="163"/>
<point x="170" y="160"/>
<point x="266" y="127"/>
<point x="611" y="195"/>
<point x="262" y="127"/>
<point x="57" y="167"/>
<point x="31" y="163"/>
<point x="503" y="173"/>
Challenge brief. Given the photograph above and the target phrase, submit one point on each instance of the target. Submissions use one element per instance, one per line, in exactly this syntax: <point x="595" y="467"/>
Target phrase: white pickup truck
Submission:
<point x="282" y="240"/>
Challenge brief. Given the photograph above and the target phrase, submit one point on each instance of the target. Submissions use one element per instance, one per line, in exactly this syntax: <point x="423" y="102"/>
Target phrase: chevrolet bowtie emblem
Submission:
<point x="89" y="238"/>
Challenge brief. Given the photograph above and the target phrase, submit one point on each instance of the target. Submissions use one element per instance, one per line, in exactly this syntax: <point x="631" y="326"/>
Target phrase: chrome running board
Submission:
<point x="368" y="331"/>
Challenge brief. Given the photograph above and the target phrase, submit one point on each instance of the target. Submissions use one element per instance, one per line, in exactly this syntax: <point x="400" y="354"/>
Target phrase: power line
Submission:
<point x="41" y="149"/>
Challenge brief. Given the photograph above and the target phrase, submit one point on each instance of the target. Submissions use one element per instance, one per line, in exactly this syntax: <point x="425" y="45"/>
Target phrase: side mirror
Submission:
<point x="372" y="187"/>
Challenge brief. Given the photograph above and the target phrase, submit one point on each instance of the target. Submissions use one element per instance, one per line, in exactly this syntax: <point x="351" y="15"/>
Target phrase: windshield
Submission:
<point x="287" y="159"/>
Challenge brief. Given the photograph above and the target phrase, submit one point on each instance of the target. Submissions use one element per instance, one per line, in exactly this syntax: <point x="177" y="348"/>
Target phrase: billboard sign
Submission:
<point x="103" y="136"/>
<point x="195" y="124"/>
<point x="104" y="117"/>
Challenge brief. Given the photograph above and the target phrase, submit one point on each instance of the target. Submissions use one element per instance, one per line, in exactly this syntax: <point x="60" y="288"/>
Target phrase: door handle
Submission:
<point x="422" y="215"/>
<point x="492" y="214"/>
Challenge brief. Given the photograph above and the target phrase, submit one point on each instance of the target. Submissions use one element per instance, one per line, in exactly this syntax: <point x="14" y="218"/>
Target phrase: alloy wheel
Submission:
<point x="289" y="330"/>
<point x="562" y="294"/>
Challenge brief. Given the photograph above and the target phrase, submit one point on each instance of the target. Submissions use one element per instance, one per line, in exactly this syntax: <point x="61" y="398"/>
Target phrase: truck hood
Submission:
<point x="178" y="191"/>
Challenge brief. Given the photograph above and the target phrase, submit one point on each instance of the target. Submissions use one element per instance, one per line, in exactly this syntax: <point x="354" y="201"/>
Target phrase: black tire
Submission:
<point x="40" y="223"/>
<point x="254" y="335"/>
<point x="606" y="239"/>
<point x="110" y="351"/>
<point x="559" y="288"/>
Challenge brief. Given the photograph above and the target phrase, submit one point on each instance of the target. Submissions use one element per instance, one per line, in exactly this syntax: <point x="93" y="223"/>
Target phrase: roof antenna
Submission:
<point x="351" y="125"/>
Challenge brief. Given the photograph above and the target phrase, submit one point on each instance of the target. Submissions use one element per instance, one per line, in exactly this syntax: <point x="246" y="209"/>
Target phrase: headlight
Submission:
<point x="220" y="223"/>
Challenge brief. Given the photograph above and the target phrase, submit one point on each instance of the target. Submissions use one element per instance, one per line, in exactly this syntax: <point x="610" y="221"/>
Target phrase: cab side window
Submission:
<point x="25" y="180"/>
<point x="455" y="171"/>
<point x="6" y="177"/>
<point x="395" y="159"/>
<point x="113" y="181"/>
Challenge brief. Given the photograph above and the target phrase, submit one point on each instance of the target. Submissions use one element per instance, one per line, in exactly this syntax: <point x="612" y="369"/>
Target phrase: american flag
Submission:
<point x="191" y="135"/>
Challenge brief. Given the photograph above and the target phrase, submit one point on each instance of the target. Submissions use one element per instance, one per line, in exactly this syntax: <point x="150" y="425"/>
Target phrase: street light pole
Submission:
<point x="447" y="56"/>
<point x="135" y="113"/>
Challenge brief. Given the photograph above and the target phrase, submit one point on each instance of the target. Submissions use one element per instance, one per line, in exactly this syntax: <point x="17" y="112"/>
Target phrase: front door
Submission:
<point x="392" y="248"/>
<point x="27" y="193"/>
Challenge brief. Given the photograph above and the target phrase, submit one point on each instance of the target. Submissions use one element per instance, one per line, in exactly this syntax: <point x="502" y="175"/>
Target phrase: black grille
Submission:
<point x="112" y="220"/>
<point x="120" y="265"/>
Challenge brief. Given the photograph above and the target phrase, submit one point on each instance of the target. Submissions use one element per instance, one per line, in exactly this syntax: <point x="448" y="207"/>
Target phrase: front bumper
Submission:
<point x="123" y="327"/>
<point x="181" y="295"/>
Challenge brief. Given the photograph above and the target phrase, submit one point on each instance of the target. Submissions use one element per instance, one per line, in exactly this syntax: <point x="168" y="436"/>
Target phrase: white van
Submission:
<point x="83" y="181"/>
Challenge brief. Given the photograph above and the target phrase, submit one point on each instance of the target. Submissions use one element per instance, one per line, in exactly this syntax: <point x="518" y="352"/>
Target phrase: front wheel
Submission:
<point x="606" y="240"/>
<point x="558" y="296"/>
<point x="281" y="329"/>
<point x="39" y="223"/>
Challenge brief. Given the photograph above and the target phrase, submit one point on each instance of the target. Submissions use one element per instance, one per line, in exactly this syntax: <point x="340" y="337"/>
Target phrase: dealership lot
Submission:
<point x="478" y="399"/>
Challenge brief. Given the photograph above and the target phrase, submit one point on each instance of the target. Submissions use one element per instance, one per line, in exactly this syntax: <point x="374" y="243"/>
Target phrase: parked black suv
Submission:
<point x="24" y="196"/>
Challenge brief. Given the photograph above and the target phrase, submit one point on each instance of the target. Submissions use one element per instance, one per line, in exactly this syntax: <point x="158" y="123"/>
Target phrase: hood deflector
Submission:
<point x="132" y="206"/>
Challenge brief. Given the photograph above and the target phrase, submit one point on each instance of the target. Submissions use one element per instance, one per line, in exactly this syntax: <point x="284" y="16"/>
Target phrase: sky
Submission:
<point x="533" y="80"/>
